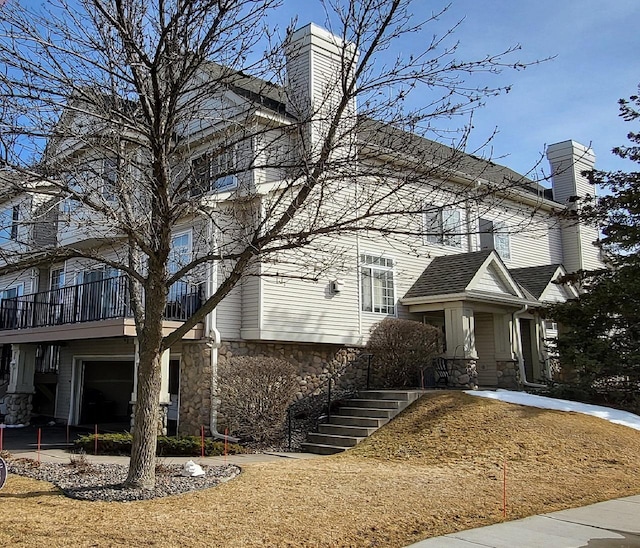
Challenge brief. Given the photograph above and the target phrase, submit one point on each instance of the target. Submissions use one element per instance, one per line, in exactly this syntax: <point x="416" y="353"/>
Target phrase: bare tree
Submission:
<point x="105" y="104"/>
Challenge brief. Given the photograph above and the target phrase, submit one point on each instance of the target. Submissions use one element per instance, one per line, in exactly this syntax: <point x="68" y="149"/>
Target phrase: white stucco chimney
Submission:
<point x="568" y="161"/>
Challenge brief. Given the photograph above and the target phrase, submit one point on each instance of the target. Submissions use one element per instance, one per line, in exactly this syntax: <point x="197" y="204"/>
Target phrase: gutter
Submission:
<point x="213" y="342"/>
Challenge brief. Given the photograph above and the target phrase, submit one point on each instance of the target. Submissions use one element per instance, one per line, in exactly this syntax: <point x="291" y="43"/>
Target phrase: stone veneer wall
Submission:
<point x="19" y="407"/>
<point x="195" y="388"/>
<point x="463" y="373"/>
<point x="162" y="418"/>
<point x="315" y="362"/>
<point x="508" y="374"/>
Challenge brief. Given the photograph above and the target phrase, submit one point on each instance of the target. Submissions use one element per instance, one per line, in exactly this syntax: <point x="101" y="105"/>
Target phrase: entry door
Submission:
<point x="486" y="349"/>
<point x="527" y="348"/>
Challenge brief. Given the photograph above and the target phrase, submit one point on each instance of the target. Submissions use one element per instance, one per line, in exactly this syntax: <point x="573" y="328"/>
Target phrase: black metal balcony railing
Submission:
<point x="98" y="300"/>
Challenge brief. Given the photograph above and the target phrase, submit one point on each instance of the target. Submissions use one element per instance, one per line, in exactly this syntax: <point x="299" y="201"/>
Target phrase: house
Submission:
<point x="477" y="252"/>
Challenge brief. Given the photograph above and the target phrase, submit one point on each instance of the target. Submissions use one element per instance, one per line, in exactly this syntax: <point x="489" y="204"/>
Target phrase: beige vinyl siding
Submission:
<point x="27" y="278"/>
<point x="554" y="294"/>
<point x="570" y="240"/>
<point x="485" y="347"/>
<point x="492" y="282"/>
<point x="229" y="314"/>
<point x="250" y="292"/>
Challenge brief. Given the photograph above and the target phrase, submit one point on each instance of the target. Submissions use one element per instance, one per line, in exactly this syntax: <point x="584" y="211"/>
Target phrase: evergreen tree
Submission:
<point x="600" y="344"/>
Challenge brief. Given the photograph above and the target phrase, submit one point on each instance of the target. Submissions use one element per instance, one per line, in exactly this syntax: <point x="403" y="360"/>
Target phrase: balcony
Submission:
<point x="97" y="301"/>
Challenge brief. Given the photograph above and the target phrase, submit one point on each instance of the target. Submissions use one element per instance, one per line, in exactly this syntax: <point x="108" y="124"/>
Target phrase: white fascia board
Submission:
<point x="470" y="296"/>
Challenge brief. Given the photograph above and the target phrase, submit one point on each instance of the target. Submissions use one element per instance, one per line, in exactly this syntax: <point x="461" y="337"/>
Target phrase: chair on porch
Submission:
<point x="437" y="374"/>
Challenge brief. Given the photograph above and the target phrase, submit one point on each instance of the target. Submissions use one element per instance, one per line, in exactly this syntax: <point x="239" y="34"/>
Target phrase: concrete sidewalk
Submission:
<point x="611" y="524"/>
<point x="22" y="442"/>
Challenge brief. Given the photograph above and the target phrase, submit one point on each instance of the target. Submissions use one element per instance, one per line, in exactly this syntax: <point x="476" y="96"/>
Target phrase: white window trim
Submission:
<point x="391" y="269"/>
<point x="13" y="218"/>
<point x="499" y="231"/>
<point x="19" y="286"/>
<point x="440" y="239"/>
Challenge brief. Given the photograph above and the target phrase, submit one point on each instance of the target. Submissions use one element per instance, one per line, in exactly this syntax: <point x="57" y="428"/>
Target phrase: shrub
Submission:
<point x="186" y="446"/>
<point x="255" y="393"/>
<point x="401" y="349"/>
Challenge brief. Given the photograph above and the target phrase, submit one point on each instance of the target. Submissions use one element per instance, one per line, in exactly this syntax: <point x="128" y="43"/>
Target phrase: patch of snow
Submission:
<point x="192" y="469"/>
<point x="531" y="400"/>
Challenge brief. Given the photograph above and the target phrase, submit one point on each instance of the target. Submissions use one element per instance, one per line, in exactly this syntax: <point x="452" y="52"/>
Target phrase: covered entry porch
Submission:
<point x="492" y="332"/>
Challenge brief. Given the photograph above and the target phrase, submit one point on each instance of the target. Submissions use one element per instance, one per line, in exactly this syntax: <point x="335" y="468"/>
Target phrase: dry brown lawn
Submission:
<point x="437" y="468"/>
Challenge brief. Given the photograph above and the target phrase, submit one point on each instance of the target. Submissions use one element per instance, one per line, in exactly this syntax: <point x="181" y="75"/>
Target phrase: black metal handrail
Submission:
<point x="328" y="387"/>
<point x="97" y="300"/>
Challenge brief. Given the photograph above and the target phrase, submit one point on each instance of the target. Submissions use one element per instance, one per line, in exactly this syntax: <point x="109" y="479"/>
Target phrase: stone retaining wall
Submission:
<point x="315" y="363"/>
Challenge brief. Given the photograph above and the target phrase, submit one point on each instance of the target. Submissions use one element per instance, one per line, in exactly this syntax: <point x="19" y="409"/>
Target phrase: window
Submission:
<point x="180" y="255"/>
<point x="214" y="172"/>
<point x="110" y="179"/>
<point x="495" y="235"/>
<point x="56" y="278"/>
<point x="442" y="226"/>
<point x="376" y="280"/>
<point x="9" y="220"/>
<point x="76" y="182"/>
<point x="10" y="307"/>
<point x="12" y="292"/>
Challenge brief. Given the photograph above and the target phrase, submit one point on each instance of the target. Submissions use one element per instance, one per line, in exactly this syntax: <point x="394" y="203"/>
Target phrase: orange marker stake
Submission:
<point x="95" y="440"/>
<point x="39" y="440"/>
<point x="226" y="444"/>
<point x="504" y="489"/>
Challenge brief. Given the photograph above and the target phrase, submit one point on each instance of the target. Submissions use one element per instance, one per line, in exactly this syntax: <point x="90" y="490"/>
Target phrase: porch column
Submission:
<point x="19" y="396"/>
<point x="460" y="330"/>
<point x="461" y="345"/>
<point x="506" y="360"/>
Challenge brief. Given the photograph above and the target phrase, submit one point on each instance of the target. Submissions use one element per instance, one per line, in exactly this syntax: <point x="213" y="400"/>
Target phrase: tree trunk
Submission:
<point x="145" y="433"/>
<point x="147" y="408"/>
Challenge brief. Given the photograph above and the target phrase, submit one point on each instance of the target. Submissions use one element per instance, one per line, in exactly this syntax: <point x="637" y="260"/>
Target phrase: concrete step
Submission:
<point x="367" y="412"/>
<point x="400" y="395"/>
<point x="331" y="439"/>
<point x="375" y="404"/>
<point x="369" y="422"/>
<point x="343" y="430"/>
<point x="321" y="449"/>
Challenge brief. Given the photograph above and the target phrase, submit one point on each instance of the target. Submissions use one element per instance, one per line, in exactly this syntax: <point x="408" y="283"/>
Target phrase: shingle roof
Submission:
<point x="448" y="274"/>
<point x="535" y="278"/>
<point x="451" y="274"/>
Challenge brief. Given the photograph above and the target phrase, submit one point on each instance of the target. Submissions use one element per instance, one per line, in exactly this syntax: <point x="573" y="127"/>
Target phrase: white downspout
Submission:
<point x="213" y="342"/>
<point x="518" y="347"/>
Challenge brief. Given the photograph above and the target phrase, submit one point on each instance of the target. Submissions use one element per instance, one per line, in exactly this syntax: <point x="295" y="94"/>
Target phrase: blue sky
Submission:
<point x="574" y="96"/>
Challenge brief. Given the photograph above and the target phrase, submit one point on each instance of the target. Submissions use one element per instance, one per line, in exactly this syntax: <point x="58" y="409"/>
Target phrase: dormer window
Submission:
<point x="214" y="172"/>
